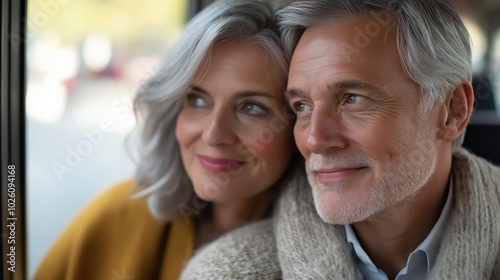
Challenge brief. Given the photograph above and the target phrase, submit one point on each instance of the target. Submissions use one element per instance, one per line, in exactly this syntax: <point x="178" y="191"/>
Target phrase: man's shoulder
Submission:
<point x="466" y="162"/>
<point x="476" y="179"/>
<point x="473" y="226"/>
<point x="246" y="253"/>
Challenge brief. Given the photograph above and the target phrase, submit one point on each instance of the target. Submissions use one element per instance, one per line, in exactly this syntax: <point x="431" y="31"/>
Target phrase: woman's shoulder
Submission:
<point x="113" y="207"/>
<point x="112" y="232"/>
<point x="115" y="213"/>
<point x="116" y="202"/>
<point x="249" y="252"/>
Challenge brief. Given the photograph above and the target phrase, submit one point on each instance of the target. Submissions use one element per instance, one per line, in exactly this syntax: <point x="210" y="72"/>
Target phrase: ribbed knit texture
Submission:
<point x="249" y="255"/>
<point x="305" y="247"/>
<point x="309" y="248"/>
<point x="471" y="242"/>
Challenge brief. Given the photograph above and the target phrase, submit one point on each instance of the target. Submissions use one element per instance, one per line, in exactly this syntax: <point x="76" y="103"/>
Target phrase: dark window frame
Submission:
<point x="13" y="134"/>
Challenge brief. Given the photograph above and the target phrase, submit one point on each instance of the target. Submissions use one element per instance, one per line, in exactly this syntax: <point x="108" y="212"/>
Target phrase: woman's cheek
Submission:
<point x="275" y="146"/>
<point x="187" y="129"/>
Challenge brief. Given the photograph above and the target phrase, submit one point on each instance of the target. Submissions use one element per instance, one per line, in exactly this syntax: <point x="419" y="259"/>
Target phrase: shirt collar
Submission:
<point x="430" y="246"/>
<point x="432" y="242"/>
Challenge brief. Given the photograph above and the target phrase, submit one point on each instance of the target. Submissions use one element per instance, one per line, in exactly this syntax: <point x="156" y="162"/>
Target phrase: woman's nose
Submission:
<point x="219" y="130"/>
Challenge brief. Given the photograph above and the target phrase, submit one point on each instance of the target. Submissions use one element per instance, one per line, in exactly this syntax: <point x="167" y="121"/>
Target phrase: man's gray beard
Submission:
<point x="401" y="178"/>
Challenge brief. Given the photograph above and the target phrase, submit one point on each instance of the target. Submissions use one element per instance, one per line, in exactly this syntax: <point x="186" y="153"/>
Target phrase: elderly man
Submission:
<point x="382" y="94"/>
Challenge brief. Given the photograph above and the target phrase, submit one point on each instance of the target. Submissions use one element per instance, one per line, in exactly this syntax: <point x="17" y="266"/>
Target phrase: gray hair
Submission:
<point x="433" y="43"/>
<point x="160" y="172"/>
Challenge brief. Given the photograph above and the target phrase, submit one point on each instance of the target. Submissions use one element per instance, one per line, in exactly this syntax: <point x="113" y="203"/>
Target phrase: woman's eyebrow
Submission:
<point x="239" y="94"/>
<point x="255" y="93"/>
<point x="197" y="88"/>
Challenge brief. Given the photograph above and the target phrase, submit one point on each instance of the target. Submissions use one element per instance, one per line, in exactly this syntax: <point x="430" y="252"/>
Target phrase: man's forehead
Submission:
<point x="352" y="40"/>
<point x="350" y="50"/>
<point x="360" y="32"/>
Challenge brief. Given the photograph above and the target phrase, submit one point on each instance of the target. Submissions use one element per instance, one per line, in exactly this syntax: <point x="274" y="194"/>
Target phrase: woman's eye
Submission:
<point x="354" y="98"/>
<point x="253" y="109"/>
<point x="196" y="101"/>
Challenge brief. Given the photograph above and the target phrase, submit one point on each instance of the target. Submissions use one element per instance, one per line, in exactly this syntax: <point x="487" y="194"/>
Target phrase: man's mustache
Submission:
<point x="318" y="162"/>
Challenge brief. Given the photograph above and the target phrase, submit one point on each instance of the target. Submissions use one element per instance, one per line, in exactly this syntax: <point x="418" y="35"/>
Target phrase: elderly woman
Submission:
<point x="217" y="144"/>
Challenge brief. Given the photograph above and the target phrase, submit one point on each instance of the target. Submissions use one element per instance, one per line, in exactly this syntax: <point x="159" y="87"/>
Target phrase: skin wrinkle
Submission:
<point x="391" y="177"/>
<point x="299" y="93"/>
<point x="385" y="132"/>
<point x="214" y="123"/>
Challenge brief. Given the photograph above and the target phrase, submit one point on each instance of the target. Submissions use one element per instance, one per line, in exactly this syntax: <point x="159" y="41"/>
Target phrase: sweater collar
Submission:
<point x="309" y="248"/>
<point x="420" y="261"/>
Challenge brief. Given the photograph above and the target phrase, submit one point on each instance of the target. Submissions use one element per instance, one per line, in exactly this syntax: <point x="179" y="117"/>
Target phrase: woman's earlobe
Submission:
<point x="457" y="110"/>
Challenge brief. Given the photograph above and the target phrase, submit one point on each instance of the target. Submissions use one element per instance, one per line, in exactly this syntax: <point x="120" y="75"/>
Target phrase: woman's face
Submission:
<point x="234" y="130"/>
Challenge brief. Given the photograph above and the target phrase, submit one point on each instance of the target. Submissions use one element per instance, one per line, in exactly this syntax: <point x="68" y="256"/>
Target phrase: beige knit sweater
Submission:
<point x="297" y="244"/>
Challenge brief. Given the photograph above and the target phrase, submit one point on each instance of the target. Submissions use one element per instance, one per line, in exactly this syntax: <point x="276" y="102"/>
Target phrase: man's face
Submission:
<point x="367" y="147"/>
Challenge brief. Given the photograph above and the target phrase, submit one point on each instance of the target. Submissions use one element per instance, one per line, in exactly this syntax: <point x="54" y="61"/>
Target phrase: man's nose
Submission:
<point x="218" y="129"/>
<point x="325" y="132"/>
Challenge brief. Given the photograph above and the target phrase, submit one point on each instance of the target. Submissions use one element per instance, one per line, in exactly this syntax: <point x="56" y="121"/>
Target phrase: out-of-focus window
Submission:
<point x="481" y="20"/>
<point x="479" y="45"/>
<point x="485" y="66"/>
<point x="495" y="67"/>
<point x="85" y="60"/>
<point x="483" y="79"/>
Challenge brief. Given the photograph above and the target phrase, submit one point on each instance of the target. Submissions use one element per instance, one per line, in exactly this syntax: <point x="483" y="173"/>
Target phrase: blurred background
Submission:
<point x="86" y="59"/>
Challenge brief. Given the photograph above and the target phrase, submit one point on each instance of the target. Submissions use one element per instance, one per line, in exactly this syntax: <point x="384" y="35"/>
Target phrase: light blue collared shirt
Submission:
<point x="420" y="261"/>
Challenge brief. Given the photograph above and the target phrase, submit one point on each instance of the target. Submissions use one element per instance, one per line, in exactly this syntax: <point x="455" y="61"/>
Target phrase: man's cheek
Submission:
<point x="300" y="140"/>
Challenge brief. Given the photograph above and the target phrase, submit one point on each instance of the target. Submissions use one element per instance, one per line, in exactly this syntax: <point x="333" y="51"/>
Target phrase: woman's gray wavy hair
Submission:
<point x="160" y="172"/>
<point x="433" y="43"/>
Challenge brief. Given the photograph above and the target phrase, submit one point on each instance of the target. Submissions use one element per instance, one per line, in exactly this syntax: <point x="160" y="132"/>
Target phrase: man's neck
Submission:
<point x="389" y="238"/>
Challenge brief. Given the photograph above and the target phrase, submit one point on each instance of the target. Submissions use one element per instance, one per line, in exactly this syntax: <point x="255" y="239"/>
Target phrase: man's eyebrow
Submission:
<point x="292" y="92"/>
<point x="351" y="84"/>
<point x="342" y="85"/>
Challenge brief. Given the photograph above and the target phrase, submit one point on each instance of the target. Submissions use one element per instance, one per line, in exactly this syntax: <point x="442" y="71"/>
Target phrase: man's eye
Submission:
<point x="195" y="101"/>
<point x="253" y="109"/>
<point x="354" y="98"/>
<point x="299" y="107"/>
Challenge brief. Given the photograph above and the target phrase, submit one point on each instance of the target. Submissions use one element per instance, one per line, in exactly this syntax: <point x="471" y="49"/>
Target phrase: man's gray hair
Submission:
<point x="160" y="172"/>
<point x="433" y="43"/>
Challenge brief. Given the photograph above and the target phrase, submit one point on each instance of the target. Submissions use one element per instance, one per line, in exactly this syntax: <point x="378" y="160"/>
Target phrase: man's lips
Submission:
<point x="337" y="173"/>
<point x="219" y="164"/>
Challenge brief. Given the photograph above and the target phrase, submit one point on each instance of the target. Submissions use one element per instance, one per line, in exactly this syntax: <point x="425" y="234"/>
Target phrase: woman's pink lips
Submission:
<point x="219" y="164"/>
<point x="336" y="174"/>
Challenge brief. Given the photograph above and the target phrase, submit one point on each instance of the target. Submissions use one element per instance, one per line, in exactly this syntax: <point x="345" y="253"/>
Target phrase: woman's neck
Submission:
<point x="225" y="217"/>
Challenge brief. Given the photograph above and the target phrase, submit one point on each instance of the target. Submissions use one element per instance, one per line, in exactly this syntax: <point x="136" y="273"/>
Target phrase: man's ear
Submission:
<point x="456" y="111"/>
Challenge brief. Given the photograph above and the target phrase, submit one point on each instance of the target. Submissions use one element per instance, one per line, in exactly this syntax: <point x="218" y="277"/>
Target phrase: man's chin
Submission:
<point x="336" y="187"/>
<point x="336" y="210"/>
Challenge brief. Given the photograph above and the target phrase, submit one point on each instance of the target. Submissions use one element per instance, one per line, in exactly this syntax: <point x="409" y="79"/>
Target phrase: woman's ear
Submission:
<point x="457" y="109"/>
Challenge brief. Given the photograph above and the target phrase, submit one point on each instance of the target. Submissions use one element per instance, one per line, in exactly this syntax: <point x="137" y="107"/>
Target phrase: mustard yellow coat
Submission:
<point x="116" y="238"/>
